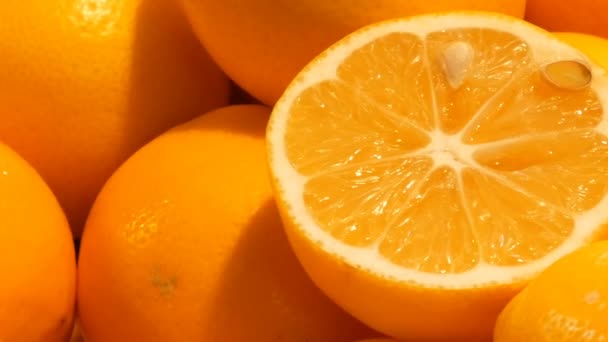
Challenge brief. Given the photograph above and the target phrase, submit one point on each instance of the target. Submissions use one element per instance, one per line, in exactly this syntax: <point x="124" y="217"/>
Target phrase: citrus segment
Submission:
<point x="533" y="105"/>
<point x="513" y="227"/>
<point x="493" y="57"/>
<point x="398" y="86"/>
<point x="465" y="151"/>
<point x="433" y="213"/>
<point x="335" y="194"/>
<point x="575" y="160"/>
<point x="341" y="119"/>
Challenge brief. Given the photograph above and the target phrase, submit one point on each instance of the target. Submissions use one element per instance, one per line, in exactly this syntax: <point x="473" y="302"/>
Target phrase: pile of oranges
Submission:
<point x="323" y="171"/>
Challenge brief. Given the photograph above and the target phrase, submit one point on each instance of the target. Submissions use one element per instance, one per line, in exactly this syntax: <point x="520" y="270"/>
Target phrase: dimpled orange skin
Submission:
<point x="37" y="261"/>
<point x="566" y="302"/>
<point x="263" y="44"/>
<point x="84" y="83"/>
<point x="184" y="243"/>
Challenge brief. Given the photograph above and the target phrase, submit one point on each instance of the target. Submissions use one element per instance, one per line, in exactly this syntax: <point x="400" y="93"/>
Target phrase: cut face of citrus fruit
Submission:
<point x="426" y="168"/>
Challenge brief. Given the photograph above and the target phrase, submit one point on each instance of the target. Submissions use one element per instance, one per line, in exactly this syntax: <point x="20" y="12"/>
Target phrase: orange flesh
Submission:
<point x="359" y="139"/>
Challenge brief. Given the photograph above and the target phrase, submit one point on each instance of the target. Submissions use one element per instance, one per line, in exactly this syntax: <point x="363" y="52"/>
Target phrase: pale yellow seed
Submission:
<point x="456" y="59"/>
<point x="568" y="75"/>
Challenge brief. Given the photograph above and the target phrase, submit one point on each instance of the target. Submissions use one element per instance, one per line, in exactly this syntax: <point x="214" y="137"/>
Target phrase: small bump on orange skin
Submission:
<point x="207" y="258"/>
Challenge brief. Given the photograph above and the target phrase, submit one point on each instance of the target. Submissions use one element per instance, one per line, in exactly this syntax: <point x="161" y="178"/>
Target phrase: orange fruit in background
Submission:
<point x="567" y="302"/>
<point x="427" y="168"/>
<point x="184" y="243"/>
<point x="594" y="47"/>
<point x="262" y="44"/>
<point x="84" y="83"/>
<point x="37" y="261"/>
<point x="239" y="96"/>
<point x="585" y="16"/>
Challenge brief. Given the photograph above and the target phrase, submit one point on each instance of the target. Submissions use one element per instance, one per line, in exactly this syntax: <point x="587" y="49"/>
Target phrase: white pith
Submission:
<point x="443" y="149"/>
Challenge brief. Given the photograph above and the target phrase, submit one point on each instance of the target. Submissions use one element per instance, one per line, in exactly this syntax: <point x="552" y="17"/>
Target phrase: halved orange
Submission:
<point x="427" y="168"/>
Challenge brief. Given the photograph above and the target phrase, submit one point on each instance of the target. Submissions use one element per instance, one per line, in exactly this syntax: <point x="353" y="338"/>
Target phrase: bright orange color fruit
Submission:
<point x="263" y="44"/>
<point x="567" y="302"/>
<point x="76" y="334"/>
<point x="427" y="168"/>
<point x="185" y="243"/>
<point x="37" y="261"/>
<point x="584" y="16"/>
<point x="84" y="83"/>
<point x="596" y="48"/>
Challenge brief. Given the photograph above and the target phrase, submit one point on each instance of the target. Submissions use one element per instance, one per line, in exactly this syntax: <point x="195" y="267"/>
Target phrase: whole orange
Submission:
<point x="184" y="243"/>
<point x="84" y="83"/>
<point x="586" y="16"/>
<point x="565" y="303"/>
<point x="37" y="261"/>
<point x="262" y="44"/>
